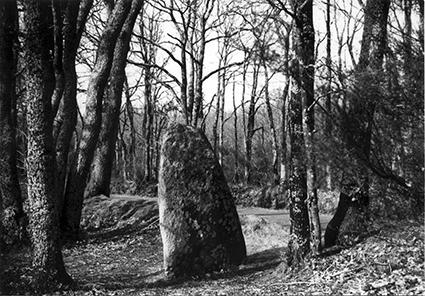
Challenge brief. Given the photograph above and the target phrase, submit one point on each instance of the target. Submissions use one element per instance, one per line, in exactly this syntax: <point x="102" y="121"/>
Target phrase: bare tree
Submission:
<point x="359" y="118"/>
<point x="74" y="20"/>
<point x="100" y="176"/>
<point x="92" y="120"/>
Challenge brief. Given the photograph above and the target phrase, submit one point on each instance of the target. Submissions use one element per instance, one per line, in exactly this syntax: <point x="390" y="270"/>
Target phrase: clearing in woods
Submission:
<point x="122" y="255"/>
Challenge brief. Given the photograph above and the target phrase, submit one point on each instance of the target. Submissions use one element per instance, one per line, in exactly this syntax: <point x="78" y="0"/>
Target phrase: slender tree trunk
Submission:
<point x="10" y="191"/>
<point x="328" y="121"/>
<point x="191" y="88"/>
<point x="183" y="86"/>
<point x="217" y="112"/>
<point x="149" y="123"/>
<point x="250" y="126"/>
<point x="198" y="82"/>
<point x="283" y="155"/>
<point x="93" y="116"/>
<point x="47" y="261"/>
<point x="100" y="176"/>
<point x="130" y="153"/>
<point x="221" y="131"/>
<point x="285" y="111"/>
<point x="407" y="37"/>
<point x="275" y="143"/>
<point x="58" y="55"/>
<point x="236" y="138"/>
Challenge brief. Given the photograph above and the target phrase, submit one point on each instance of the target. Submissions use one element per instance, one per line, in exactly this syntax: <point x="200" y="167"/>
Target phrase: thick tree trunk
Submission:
<point x="304" y="48"/>
<point x="100" y="176"/>
<point x="2" y="259"/>
<point x="358" y="133"/>
<point x="66" y="119"/>
<point x="93" y="118"/>
<point x="303" y="189"/>
<point x="47" y="262"/>
<point x="10" y="191"/>
<point x="298" y="246"/>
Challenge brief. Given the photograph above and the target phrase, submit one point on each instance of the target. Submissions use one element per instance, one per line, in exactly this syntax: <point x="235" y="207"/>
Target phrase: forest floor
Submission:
<point x="122" y="255"/>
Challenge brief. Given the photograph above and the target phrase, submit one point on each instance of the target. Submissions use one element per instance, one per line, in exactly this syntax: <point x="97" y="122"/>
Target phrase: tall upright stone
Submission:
<point x="200" y="227"/>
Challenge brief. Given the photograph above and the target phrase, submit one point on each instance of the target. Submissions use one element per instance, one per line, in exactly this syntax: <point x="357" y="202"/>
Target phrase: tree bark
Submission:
<point x="100" y="176"/>
<point x="236" y="138"/>
<point x="250" y="125"/>
<point x="364" y="96"/>
<point x="304" y="48"/>
<point x="328" y="121"/>
<point x="275" y="143"/>
<point x="93" y="118"/>
<point x="75" y="17"/>
<point x="9" y="184"/>
<point x="47" y="261"/>
<point x="298" y="246"/>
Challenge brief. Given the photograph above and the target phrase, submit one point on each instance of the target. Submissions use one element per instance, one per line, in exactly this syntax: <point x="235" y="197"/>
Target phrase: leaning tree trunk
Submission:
<point x="100" y="176"/>
<point x="358" y="126"/>
<point x="77" y="179"/>
<point x="9" y="181"/>
<point x="47" y="262"/>
<point x="75" y="17"/>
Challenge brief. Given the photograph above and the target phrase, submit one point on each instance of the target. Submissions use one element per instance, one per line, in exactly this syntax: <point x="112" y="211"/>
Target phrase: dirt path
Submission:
<point x="273" y="216"/>
<point x="277" y="216"/>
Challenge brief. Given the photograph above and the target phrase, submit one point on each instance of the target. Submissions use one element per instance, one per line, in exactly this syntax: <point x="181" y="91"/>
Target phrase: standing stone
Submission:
<point x="200" y="227"/>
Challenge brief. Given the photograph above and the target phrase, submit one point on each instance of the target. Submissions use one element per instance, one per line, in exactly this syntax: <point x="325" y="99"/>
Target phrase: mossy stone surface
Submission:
<point x="199" y="225"/>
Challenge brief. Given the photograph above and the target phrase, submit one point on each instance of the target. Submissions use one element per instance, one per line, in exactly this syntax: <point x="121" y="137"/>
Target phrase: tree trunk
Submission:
<point x="298" y="246"/>
<point x="304" y="48"/>
<point x="47" y="261"/>
<point x="328" y="120"/>
<point x="221" y="131"/>
<point x="9" y="184"/>
<point x="217" y="112"/>
<point x="100" y="176"/>
<point x="303" y="189"/>
<point x="275" y="143"/>
<point x="93" y="119"/>
<point x="58" y="53"/>
<point x="66" y="119"/>
<point x="236" y="138"/>
<point x="149" y="123"/>
<point x="284" y="160"/>
<point x="250" y="125"/>
<point x="358" y="128"/>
